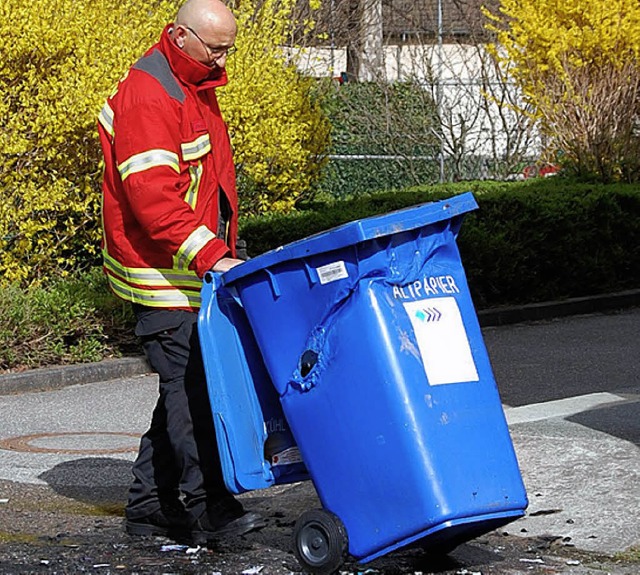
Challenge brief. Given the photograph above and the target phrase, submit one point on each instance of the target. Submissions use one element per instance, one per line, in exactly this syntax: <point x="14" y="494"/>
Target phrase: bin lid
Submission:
<point x="358" y="231"/>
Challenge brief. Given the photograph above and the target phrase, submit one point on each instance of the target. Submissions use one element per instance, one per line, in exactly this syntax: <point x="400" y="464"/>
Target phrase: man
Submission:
<point x="169" y="215"/>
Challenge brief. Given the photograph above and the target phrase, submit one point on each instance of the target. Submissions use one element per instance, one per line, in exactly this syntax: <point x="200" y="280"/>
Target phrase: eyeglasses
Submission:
<point x="215" y="52"/>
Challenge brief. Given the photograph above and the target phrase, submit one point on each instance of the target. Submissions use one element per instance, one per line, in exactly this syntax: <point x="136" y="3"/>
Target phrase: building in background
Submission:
<point x="441" y="45"/>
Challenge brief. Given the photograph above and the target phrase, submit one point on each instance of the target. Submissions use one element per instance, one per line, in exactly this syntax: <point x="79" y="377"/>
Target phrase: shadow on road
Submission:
<point x="621" y="420"/>
<point x="99" y="481"/>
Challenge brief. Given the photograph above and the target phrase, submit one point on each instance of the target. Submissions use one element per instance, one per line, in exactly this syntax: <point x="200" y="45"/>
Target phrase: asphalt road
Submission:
<point x="570" y="388"/>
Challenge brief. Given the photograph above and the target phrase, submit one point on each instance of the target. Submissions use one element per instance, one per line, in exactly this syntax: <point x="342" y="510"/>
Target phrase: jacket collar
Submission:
<point x="187" y="69"/>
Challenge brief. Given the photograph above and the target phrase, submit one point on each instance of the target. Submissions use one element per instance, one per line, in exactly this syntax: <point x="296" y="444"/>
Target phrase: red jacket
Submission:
<point x="168" y="171"/>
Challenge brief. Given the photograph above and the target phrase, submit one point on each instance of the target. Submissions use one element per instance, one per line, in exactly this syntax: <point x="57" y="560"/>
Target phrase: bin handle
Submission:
<point x="275" y="287"/>
<point x="312" y="274"/>
<point x="215" y="278"/>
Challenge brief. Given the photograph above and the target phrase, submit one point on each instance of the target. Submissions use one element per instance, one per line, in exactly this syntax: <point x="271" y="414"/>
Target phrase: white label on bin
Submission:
<point x="332" y="272"/>
<point x="442" y="340"/>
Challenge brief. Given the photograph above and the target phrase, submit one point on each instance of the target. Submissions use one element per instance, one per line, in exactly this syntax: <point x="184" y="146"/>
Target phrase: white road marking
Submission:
<point x="558" y="408"/>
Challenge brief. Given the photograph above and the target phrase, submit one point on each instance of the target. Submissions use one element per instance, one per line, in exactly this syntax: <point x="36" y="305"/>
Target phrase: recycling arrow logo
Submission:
<point x="428" y="314"/>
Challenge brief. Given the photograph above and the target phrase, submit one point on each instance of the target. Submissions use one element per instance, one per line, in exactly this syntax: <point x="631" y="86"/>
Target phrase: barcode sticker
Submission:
<point x="332" y="272"/>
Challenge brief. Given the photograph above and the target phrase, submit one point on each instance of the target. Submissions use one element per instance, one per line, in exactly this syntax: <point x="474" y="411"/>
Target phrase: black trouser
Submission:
<point x="178" y="457"/>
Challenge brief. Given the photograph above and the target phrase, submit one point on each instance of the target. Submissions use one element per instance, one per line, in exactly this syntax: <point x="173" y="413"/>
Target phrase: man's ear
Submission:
<point x="179" y="35"/>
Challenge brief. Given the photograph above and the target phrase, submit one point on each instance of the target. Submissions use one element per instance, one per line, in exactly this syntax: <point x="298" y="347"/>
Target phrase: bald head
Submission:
<point x="205" y="30"/>
<point x="206" y="14"/>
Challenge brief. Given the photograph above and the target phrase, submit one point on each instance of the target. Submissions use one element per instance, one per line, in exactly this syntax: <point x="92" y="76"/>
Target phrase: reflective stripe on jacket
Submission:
<point x="168" y="173"/>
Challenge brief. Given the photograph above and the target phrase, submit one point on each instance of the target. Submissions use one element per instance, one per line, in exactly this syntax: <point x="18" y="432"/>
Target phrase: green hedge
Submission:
<point x="529" y="241"/>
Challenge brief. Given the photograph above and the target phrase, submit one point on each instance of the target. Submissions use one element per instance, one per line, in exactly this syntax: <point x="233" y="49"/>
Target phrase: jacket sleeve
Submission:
<point x="147" y="150"/>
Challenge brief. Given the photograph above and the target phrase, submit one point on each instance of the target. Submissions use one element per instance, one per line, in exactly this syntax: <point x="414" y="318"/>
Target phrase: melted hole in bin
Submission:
<point x="307" y="361"/>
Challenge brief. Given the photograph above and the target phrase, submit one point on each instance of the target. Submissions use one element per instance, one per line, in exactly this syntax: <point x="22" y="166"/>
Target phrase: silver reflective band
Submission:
<point x="151" y="276"/>
<point x="191" y="246"/>
<point x="155" y="298"/>
<point x="147" y="160"/>
<point x="106" y="118"/>
<point x="196" y="149"/>
<point x="191" y="197"/>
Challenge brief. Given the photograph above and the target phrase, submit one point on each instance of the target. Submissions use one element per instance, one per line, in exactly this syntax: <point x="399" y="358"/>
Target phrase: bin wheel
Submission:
<point x="320" y="541"/>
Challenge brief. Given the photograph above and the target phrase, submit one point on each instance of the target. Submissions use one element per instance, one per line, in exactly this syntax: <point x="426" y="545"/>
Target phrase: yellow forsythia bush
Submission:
<point x="577" y="64"/>
<point x="63" y="59"/>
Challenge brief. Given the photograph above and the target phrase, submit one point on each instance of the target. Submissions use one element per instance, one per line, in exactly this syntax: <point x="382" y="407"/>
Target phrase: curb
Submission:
<point x="553" y="309"/>
<point x="48" y="378"/>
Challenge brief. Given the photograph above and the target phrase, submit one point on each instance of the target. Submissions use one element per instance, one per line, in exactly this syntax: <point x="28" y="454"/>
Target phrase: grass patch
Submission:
<point x="65" y="321"/>
<point x="29" y="538"/>
<point x="630" y="555"/>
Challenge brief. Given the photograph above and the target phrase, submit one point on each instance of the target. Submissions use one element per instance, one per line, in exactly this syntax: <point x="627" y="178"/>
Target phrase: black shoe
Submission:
<point x="173" y="523"/>
<point x="209" y="527"/>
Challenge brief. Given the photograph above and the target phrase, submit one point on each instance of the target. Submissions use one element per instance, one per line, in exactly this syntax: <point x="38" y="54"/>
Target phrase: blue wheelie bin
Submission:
<point x="367" y="344"/>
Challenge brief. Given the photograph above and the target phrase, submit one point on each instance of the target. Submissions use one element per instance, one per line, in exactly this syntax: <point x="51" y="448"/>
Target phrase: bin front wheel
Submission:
<point x="320" y="541"/>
